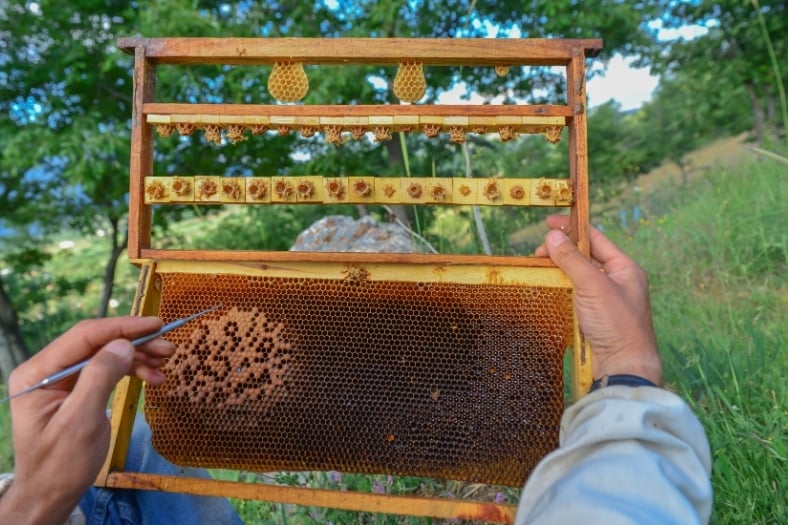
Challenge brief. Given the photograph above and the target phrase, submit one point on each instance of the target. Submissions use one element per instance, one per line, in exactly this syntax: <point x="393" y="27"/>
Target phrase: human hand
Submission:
<point x="611" y="301"/>
<point x="61" y="432"/>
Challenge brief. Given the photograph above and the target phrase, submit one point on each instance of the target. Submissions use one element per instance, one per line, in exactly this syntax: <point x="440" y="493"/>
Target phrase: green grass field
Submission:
<point x="715" y="251"/>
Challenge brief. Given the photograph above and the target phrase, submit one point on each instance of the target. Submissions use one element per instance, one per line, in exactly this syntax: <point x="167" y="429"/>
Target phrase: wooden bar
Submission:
<point x="473" y="274"/>
<point x="141" y="161"/>
<point x="382" y="190"/>
<point x="353" y="501"/>
<point x="382" y="51"/>
<point x="579" y="213"/>
<point x="127" y="393"/>
<point x="264" y="257"/>
<point x="578" y="152"/>
<point x="372" y="110"/>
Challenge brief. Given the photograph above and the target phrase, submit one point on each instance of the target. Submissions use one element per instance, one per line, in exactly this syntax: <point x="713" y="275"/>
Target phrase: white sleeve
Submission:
<point x="627" y="456"/>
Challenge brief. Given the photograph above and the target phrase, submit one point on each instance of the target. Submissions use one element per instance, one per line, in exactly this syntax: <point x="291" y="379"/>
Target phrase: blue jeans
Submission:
<point x="103" y="506"/>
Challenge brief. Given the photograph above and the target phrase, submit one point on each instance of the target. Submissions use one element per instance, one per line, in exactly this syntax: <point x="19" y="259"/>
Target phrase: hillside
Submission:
<point x="641" y="191"/>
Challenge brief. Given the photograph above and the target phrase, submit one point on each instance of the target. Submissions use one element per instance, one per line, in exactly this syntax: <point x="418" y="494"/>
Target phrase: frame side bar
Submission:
<point x="141" y="161"/>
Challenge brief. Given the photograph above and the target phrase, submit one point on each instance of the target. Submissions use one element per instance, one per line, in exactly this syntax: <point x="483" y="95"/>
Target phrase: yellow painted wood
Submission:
<point x="413" y="190"/>
<point x="309" y="189"/>
<point x="354" y="501"/>
<point x="388" y="190"/>
<point x="581" y="373"/>
<point x="283" y="189"/>
<point x="439" y="190"/>
<point x="332" y="121"/>
<point x="258" y="189"/>
<point x="383" y="190"/>
<point x="207" y="189"/>
<point x="335" y="189"/>
<point x="181" y="189"/>
<point x="361" y="189"/>
<point x="127" y="393"/>
<point x="465" y="191"/>
<point x="490" y="192"/>
<point x="157" y="190"/>
<point x="381" y="120"/>
<point x="458" y="273"/>
<point x="262" y="119"/>
<point x="232" y="190"/>
<point x="517" y="192"/>
<point x="158" y="119"/>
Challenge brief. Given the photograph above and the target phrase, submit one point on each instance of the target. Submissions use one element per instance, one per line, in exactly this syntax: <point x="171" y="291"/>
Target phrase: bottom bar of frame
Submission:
<point x="352" y="501"/>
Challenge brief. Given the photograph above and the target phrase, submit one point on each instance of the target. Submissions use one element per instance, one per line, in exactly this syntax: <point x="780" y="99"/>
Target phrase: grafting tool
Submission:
<point x="70" y="371"/>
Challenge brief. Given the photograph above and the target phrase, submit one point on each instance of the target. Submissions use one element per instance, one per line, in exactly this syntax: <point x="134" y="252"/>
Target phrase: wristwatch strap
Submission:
<point x="620" y="380"/>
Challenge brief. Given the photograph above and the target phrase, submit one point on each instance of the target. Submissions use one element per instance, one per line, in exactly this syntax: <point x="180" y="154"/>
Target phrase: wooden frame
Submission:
<point x="147" y="113"/>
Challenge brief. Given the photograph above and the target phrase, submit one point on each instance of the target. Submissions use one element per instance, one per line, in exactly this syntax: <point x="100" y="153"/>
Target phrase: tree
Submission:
<point x="733" y="51"/>
<point x="65" y="90"/>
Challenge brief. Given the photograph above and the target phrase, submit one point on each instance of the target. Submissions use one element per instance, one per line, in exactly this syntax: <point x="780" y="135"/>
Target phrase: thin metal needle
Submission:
<point x="70" y="371"/>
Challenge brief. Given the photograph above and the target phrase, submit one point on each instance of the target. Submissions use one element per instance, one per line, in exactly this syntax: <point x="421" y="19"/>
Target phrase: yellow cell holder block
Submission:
<point x="307" y="121"/>
<point x="256" y="120"/>
<point x="381" y="121"/>
<point x="335" y="189"/>
<point x="159" y="119"/>
<point x="414" y="190"/>
<point x="332" y="121"/>
<point x="431" y="120"/>
<point x="464" y="191"/>
<point x="283" y="121"/>
<point x="309" y="189"/>
<point x="232" y="190"/>
<point x="490" y="192"/>
<point x="406" y="122"/>
<point x="455" y="121"/>
<point x="207" y="188"/>
<point x="190" y="119"/>
<point x="207" y="119"/>
<point x="551" y="192"/>
<point x="388" y="190"/>
<point x="361" y="189"/>
<point x="283" y="189"/>
<point x="478" y="123"/>
<point x="258" y="190"/>
<point x="181" y="189"/>
<point x="543" y="121"/>
<point x="440" y="190"/>
<point x="517" y="192"/>
<point x="508" y="120"/>
<point x="157" y="190"/>
<point x="355" y="121"/>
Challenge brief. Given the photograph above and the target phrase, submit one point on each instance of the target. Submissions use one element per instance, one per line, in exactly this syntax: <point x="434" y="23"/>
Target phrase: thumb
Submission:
<point x="105" y="369"/>
<point x="566" y="256"/>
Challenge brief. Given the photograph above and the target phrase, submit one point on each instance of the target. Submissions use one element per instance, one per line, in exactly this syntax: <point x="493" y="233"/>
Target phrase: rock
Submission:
<point x="338" y="233"/>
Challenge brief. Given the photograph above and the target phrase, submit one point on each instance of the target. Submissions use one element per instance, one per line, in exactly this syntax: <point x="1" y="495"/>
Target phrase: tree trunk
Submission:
<point x="757" y="112"/>
<point x="13" y="349"/>
<point x="112" y="264"/>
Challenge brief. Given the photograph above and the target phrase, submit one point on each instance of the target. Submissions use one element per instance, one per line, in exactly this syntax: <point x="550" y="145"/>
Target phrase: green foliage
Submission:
<point x="715" y="252"/>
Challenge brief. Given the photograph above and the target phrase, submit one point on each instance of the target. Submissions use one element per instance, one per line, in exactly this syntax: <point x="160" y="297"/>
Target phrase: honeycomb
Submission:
<point x="288" y="81"/>
<point x="431" y="379"/>
<point x="409" y="82"/>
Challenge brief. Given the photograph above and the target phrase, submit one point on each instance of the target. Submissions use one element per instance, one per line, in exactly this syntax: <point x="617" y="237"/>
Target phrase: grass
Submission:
<point x="715" y="250"/>
<point x="716" y="254"/>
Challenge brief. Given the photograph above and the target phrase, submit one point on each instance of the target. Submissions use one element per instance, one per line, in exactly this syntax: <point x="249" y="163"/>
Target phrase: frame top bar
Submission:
<point x="383" y="51"/>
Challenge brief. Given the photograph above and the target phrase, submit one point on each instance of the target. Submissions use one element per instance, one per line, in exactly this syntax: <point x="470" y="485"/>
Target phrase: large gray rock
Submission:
<point x="338" y="233"/>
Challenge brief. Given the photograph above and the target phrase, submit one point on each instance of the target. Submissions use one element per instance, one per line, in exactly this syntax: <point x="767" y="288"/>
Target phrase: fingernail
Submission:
<point x="556" y="238"/>
<point x="121" y="348"/>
